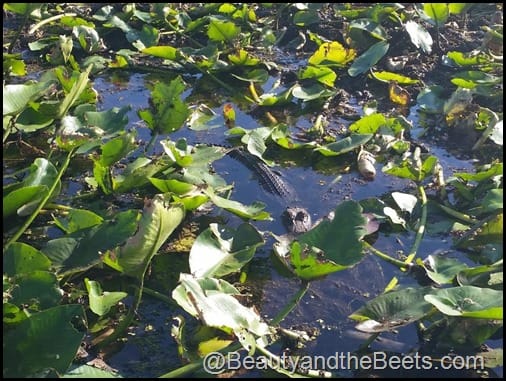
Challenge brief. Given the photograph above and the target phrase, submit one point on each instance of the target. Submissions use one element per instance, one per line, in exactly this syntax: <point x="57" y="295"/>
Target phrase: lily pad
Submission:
<point x="468" y="301"/>
<point x="392" y="310"/>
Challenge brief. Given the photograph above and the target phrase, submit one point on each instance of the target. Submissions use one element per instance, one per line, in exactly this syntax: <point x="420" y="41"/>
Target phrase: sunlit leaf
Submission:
<point x="101" y="301"/>
<point x="368" y="124"/>
<point x="386" y="76"/>
<point x="222" y="30"/>
<point x="309" y="93"/>
<point x="17" y="97"/>
<point x="332" y="54"/>
<point x="22" y="196"/>
<point x="243" y="58"/>
<point x="215" y="308"/>
<point x="170" y="111"/>
<point x="167" y="52"/>
<point x="157" y="223"/>
<point x="419" y="36"/>
<point x="442" y="270"/>
<point x="438" y="12"/>
<point x="217" y="252"/>
<point x="397" y="94"/>
<point x="322" y="74"/>
<point x="344" y="145"/>
<point x="78" y="219"/>
<point x="89" y="371"/>
<point x="467" y="59"/>
<point x="368" y="59"/>
<point x="392" y="310"/>
<point x="468" y="301"/>
<point x="254" y="211"/>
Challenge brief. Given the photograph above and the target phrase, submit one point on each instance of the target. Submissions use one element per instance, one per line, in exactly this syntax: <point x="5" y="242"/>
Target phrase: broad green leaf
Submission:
<point x="178" y="152"/>
<point x="46" y="340"/>
<point x="322" y="74"/>
<point x="368" y="59"/>
<point x="361" y="31"/>
<point x="255" y="75"/>
<point x="408" y="169"/>
<point x="13" y="64"/>
<point x="167" y="52"/>
<point x="368" y="124"/>
<point x="386" y="76"/>
<point x="340" y="242"/>
<point x="313" y="92"/>
<point x="344" y="145"/>
<point x="468" y="301"/>
<point x="101" y="301"/>
<point x="37" y="289"/>
<point x="492" y="201"/>
<point x="438" y="12"/>
<point x="172" y="185"/>
<point x="22" y="8"/>
<point x="271" y="99"/>
<point x="442" y="270"/>
<point x="218" y="252"/>
<point x="22" y="196"/>
<point x="419" y="36"/>
<point x="332" y="54"/>
<point x="20" y="258"/>
<point x="431" y="99"/>
<point x="116" y="149"/>
<point x="216" y="308"/>
<point x="458" y="8"/>
<point x="222" y="30"/>
<point x="158" y="221"/>
<point x="74" y="94"/>
<point x="467" y="59"/>
<point x="255" y="211"/>
<point x="392" y="310"/>
<point x="137" y="174"/>
<point x="191" y="202"/>
<point x="110" y="121"/>
<point x="488" y="276"/>
<point x="170" y="111"/>
<point x="89" y="371"/>
<point x="243" y="58"/>
<point x="495" y="169"/>
<point x="328" y="247"/>
<point x="83" y="249"/>
<point x="78" y="219"/>
<point x="306" y="17"/>
<point x="203" y="118"/>
<point x="17" y="97"/>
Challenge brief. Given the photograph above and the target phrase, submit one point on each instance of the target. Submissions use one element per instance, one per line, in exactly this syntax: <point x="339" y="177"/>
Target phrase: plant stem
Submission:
<point x="43" y="202"/>
<point x="125" y="323"/>
<point x="421" y="227"/>
<point x="456" y="214"/>
<point x="386" y="257"/>
<point x="291" y="304"/>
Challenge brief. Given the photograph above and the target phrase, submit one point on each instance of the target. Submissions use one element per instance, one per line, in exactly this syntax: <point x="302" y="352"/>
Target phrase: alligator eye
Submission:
<point x="301" y="216"/>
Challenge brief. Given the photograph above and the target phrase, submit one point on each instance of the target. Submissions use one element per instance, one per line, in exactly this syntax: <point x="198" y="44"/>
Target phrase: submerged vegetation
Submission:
<point x="90" y="199"/>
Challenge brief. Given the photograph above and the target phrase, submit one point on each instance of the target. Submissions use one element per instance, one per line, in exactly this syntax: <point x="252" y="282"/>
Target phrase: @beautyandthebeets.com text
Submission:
<point x="216" y="362"/>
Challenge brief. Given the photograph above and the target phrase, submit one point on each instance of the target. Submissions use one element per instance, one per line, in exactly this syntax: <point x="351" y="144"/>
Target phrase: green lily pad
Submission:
<point x="218" y="252"/>
<point x="368" y="59"/>
<point x="158" y="221"/>
<point x="468" y="301"/>
<point x="204" y="298"/>
<point x="392" y="310"/>
<point x="52" y="330"/>
<point x="102" y="301"/>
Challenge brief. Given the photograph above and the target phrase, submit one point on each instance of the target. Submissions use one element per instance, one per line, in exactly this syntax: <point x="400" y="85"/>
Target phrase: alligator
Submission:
<point x="296" y="219"/>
